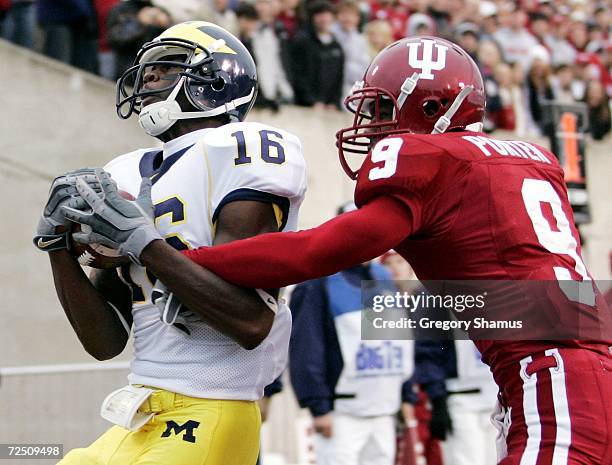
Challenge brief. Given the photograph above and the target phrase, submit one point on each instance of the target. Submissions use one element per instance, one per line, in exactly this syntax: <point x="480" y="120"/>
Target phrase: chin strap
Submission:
<point x="158" y="117"/>
<point x="407" y="88"/>
<point x="445" y="120"/>
<point x="226" y="108"/>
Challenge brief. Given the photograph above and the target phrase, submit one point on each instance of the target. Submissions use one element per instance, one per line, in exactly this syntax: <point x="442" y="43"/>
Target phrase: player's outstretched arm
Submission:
<point x="279" y="259"/>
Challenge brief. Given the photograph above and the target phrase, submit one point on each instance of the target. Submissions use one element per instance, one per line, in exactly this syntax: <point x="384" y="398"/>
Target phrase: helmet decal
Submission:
<point x="426" y="63"/>
<point x="195" y="31"/>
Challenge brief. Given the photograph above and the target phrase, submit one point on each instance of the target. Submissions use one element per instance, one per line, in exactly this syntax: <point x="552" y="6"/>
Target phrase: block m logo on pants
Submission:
<point x="188" y="427"/>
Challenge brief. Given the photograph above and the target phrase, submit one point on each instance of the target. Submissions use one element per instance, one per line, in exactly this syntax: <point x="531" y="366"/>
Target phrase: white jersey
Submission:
<point x="194" y="176"/>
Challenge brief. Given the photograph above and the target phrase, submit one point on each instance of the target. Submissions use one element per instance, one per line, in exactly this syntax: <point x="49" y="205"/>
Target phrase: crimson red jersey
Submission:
<point x="457" y="206"/>
<point x="482" y="209"/>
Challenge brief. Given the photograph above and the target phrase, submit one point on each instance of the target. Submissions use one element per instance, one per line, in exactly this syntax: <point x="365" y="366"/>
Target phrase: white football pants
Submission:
<point x="473" y="439"/>
<point x="357" y="441"/>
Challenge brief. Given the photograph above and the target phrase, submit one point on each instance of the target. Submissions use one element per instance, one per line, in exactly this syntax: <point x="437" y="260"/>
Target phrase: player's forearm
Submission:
<point x="279" y="259"/>
<point x="92" y="319"/>
<point x="237" y="312"/>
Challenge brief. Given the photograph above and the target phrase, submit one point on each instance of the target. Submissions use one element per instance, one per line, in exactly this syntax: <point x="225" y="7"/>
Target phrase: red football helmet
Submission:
<point x="419" y="85"/>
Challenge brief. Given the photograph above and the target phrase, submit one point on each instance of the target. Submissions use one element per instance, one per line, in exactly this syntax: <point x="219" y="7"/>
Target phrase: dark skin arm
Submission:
<point x="85" y="302"/>
<point x="235" y="311"/>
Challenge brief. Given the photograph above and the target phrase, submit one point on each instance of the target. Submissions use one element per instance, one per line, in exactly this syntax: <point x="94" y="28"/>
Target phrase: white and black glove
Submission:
<point x="115" y="222"/>
<point x="169" y="306"/>
<point x="63" y="193"/>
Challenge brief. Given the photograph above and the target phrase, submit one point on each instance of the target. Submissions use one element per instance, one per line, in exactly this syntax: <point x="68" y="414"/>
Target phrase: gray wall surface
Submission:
<point x="54" y="119"/>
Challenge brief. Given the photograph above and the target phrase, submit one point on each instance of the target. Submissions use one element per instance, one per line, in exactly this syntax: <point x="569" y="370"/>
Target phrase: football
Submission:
<point x="98" y="255"/>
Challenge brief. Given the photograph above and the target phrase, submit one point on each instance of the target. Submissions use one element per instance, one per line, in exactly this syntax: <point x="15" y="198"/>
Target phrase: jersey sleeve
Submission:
<point x="251" y="161"/>
<point x="124" y="170"/>
<point x="404" y="168"/>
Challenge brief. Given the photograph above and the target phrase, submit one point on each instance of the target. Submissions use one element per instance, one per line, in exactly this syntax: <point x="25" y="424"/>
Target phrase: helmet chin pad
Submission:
<point x="157" y="117"/>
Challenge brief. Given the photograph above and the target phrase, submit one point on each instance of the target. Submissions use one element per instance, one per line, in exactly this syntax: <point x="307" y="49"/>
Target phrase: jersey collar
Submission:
<point x="183" y="141"/>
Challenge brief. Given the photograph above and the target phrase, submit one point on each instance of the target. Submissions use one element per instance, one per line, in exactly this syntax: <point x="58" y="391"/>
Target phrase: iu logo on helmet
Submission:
<point x="427" y="63"/>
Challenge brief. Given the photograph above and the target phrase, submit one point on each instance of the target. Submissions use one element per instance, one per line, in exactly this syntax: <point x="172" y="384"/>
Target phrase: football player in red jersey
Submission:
<point x="458" y="205"/>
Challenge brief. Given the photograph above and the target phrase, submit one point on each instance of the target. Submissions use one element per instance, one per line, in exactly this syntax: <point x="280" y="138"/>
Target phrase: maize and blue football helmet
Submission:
<point x="216" y="73"/>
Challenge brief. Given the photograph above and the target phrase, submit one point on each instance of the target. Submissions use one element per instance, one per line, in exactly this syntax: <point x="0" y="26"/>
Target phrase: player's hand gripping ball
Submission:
<point x="97" y="255"/>
<point x="116" y="222"/>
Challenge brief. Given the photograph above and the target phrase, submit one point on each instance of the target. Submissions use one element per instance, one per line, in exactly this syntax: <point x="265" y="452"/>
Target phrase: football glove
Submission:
<point x="441" y="423"/>
<point x="171" y="310"/>
<point x="115" y="222"/>
<point x="169" y="306"/>
<point x="51" y="232"/>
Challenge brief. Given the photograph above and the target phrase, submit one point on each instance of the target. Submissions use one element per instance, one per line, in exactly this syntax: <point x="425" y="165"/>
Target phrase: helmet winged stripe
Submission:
<point x="195" y="31"/>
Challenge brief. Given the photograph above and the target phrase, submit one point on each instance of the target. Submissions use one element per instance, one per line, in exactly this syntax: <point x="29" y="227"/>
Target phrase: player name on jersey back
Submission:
<point x="507" y="148"/>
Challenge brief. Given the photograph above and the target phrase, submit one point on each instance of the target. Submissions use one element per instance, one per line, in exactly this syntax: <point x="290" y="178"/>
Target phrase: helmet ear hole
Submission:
<point x="431" y="108"/>
<point x="218" y="85"/>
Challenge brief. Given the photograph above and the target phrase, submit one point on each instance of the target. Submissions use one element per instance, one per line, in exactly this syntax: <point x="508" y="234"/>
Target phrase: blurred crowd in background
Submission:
<point x="310" y="52"/>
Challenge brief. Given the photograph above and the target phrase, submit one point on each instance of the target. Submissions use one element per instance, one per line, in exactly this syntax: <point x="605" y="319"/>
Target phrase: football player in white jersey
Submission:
<point x="196" y="373"/>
